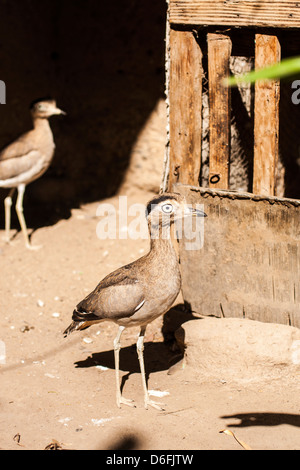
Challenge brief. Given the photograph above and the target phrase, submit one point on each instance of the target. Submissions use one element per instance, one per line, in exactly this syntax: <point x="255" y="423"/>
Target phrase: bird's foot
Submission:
<point x="9" y="241"/>
<point x="157" y="405"/>
<point x="125" y="401"/>
<point x="33" y="247"/>
<point x="6" y="239"/>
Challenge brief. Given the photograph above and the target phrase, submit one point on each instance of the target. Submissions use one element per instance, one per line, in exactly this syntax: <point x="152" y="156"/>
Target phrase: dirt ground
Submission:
<point x="63" y="389"/>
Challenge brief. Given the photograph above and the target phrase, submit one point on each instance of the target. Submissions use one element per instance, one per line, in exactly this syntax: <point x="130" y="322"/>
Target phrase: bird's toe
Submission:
<point x="9" y="241"/>
<point x="125" y="401"/>
<point x="6" y="239"/>
<point x="33" y="247"/>
<point x="157" y="405"/>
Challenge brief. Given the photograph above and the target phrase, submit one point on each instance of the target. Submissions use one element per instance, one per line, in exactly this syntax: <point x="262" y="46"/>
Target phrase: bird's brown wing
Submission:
<point x="29" y="163"/>
<point x="18" y="148"/>
<point x="117" y="296"/>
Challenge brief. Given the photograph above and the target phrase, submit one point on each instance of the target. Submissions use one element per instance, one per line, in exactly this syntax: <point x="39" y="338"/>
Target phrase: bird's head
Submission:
<point x="44" y="109"/>
<point x="169" y="207"/>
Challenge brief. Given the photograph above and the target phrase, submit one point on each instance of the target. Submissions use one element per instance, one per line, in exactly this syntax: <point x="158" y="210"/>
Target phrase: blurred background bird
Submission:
<point x="138" y="293"/>
<point x="26" y="159"/>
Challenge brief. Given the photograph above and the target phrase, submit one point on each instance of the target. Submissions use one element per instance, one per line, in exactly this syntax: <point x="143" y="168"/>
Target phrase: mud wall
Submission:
<point x="104" y="64"/>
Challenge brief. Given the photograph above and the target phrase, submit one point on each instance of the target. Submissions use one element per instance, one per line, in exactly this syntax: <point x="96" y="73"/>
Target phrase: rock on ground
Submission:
<point x="240" y="349"/>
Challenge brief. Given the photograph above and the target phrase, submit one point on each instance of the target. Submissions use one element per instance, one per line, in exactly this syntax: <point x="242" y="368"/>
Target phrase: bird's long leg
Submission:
<point x="19" y="210"/>
<point x="7" y="206"/>
<point x="117" y="347"/>
<point x="140" y="351"/>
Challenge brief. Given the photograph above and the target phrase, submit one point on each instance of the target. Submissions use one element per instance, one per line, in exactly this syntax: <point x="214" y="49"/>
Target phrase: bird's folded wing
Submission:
<point x="13" y="167"/>
<point x="113" y="302"/>
<point x="20" y="147"/>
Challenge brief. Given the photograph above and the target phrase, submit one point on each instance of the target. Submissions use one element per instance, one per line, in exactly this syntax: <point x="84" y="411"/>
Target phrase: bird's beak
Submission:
<point x="59" y="111"/>
<point x="190" y="211"/>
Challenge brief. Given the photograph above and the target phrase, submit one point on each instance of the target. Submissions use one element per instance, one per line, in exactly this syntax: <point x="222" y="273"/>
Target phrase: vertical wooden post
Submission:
<point x="219" y="51"/>
<point x="185" y="101"/>
<point x="266" y="118"/>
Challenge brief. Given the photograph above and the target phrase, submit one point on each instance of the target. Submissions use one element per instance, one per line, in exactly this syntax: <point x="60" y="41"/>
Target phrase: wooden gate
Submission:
<point x="249" y="265"/>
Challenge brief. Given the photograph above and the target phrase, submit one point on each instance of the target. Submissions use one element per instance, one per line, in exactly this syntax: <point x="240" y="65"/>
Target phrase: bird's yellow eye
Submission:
<point x="167" y="208"/>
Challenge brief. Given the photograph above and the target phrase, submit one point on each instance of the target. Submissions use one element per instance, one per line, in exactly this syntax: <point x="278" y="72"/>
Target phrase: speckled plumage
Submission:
<point x="138" y="293"/>
<point x="128" y="296"/>
<point x="27" y="158"/>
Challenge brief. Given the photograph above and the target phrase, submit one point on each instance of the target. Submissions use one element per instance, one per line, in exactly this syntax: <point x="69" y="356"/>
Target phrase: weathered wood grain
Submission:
<point x="264" y="13"/>
<point x="185" y="108"/>
<point x="266" y="118"/>
<point x="249" y="264"/>
<point x="219" y="50"/>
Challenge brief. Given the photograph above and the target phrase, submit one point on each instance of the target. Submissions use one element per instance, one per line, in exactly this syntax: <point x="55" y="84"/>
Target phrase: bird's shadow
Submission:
<point x="157" y="357"/>
<point x="263" y="419"/>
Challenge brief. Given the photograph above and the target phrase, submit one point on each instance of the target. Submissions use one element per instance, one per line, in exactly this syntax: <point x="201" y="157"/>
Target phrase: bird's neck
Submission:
<point x="43" y="137"/>
<point x="160" y="240"/>
<point x="41" y="124"/>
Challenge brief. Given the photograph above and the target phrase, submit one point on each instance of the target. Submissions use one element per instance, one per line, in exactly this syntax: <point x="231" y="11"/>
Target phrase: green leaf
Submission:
<point x="285" y="68"/>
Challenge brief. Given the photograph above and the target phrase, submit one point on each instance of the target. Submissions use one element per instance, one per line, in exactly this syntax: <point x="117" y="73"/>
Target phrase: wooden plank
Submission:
<point x="263" y="13"/>
<point x="219" y="50"/>
<point x="249" y="264"/>
<point x="266" y="118"/>
<point x="185" y="108"/>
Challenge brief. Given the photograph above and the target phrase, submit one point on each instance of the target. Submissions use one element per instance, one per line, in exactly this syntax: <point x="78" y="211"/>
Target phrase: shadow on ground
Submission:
<point x="263" y="419"/>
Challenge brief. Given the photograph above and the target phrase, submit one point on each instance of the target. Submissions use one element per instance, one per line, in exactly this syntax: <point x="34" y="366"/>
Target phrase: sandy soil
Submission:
<point x="60" y="389"/>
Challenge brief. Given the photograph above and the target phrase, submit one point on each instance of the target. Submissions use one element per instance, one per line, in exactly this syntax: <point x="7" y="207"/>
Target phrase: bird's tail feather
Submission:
<point x="75" y="325"/>
<point x="79" y="323"/>
<point x="72" y="327"/>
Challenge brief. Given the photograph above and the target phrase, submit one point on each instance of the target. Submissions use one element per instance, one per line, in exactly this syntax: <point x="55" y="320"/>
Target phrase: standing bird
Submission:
<point x="138" y="293"/>
<point x="26" y="159"/>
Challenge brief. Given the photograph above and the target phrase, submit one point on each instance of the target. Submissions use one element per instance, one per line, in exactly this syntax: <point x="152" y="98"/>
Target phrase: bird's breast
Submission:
<point x="160" y="294"/>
